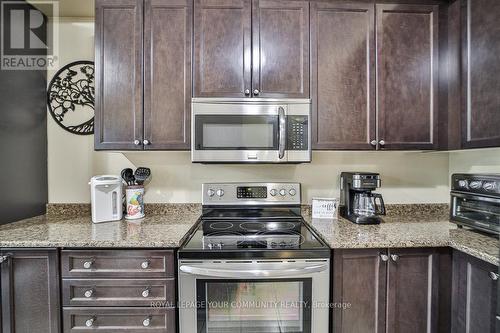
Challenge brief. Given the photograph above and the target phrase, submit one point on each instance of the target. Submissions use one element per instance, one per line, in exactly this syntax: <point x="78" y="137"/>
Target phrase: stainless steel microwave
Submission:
<point x="250" y="130"/>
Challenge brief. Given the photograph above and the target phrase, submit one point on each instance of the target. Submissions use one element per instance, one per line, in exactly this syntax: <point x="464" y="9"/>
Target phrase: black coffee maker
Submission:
<point x="357" y="201"/>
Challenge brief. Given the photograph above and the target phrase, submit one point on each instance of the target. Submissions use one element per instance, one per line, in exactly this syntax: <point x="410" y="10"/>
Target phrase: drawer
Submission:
<point x="119" y="320"/>
<point x="118" y="292"/>
<point x="117" y="263"/>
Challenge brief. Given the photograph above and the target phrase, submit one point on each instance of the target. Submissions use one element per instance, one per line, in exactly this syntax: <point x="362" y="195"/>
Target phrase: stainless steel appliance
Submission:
<point x="475" y="201"/>
<point x="250" y="130"/>
<point x="358" y="203"/>
<point x="252" y="264"/>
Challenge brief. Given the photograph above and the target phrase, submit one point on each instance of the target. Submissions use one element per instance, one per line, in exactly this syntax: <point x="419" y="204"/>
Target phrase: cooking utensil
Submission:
<point x="141" y="175"/>
<point x="128" y="176"/>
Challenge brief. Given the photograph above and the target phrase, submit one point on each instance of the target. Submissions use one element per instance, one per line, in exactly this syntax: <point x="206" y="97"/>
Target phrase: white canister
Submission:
<point x="134" y="196"/>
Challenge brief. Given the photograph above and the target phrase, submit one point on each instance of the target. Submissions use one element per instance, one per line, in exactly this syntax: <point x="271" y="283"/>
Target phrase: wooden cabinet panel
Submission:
<point x="407" y="49"/>
<point x="412" y="291"/>
<point x="481" y="69"/>
<point x="359" y="278"/>
<point x="474" y="295"/>
<point x="30" y="291"/>
<point x="167" y="74"/>
<point x="343" y="75"/>
<point x="118" y="67"/>
<point x="280" y="47"/>
<point x="222" y="37"/>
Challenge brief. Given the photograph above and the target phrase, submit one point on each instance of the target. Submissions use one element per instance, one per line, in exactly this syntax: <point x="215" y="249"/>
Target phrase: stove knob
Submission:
<point x="220" y="192"/>
<point x="210" y="193"/>
<point x="210" y="246"/>
<point x="292" y="192"/>
<point x="476" y="184"/>
<point x="489" y="186"/>
<point x="220" y="245"/>
<point x="462" y="183"/>
<point x="273" y="192"/>
<point x="282" y="192"/>
<point x="282" y="244"/>
<point x="273" y="244"/>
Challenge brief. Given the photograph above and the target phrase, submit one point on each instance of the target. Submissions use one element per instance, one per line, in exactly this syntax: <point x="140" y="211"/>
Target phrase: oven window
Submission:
<point x="480" y="212"/>
<point x="230" y="132"/>
<point x="254" y="306"/>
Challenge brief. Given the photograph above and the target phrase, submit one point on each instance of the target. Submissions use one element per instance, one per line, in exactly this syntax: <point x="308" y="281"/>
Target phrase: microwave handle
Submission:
<point x="243" y="273"/>
<point x="282" y="131"/>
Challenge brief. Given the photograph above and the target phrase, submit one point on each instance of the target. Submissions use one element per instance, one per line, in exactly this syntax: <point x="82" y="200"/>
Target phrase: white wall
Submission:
<point x="407" y="177"/>
<point x="476" y="161"/>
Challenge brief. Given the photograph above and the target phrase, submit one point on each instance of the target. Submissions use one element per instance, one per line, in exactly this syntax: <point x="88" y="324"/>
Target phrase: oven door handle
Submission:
<point x="282" y="132"/>
<point x="258" y="273"/>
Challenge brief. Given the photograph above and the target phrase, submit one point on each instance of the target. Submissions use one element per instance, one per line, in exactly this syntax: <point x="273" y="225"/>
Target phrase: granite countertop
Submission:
<point x="417" y="230"/>
<point x="167" y="227"/>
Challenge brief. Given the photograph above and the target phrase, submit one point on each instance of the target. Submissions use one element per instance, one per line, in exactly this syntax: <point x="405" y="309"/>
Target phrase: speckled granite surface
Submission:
<point x="155" y="230"/>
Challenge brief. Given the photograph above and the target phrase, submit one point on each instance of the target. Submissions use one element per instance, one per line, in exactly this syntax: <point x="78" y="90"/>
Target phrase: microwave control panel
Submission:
<point x="297" y="130"/>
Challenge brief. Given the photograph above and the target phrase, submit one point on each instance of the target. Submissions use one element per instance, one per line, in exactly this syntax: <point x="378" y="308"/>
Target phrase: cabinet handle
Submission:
<point x="90" y="322"/>
<point x="89" y="293"/>
<point x="394" y="257"/>
<point x="494" y="276"/>
<point x="256" y="92"/>
<point x="373" y="143"/>
<point x="247" y="92"/>
<point x="384" y="257"/>
<point x="382" y="142"/>
<point x="5" y="258"/>
<point x="145" y="264"/>
<point x="146" y="322"/>
<point x="137" y="142"/>
<point x="88" y="264"/>
<point x="146" y="142"/>
<point x="145" y="292"/>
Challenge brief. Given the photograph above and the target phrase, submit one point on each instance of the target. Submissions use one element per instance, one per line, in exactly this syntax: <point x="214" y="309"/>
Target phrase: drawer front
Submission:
<point x="119" y="320"/>
<point x="117" y="263"/>
<point x="118" y="292"/>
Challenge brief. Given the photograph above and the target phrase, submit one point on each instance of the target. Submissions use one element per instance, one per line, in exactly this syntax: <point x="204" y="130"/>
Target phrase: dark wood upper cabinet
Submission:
<point x="407" y="84"/>
<point x="30" y="291"/>
<point x="412" y="292"/>
<point x="167" y="74"/>
<point x="280" y="48"/>
<point x="118" y="74"/>
<point x="359" y="279"/>
<point x="480" y="73"/>
<point x="343" y="75"/>
<point x="222" y="52"/>
<point x="474" y="294"/>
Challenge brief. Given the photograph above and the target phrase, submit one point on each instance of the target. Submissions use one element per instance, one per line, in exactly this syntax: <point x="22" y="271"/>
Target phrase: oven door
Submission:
<point x="224" y="132"/>
<point x="254" y="297"/>
<point x="479" y="212"/>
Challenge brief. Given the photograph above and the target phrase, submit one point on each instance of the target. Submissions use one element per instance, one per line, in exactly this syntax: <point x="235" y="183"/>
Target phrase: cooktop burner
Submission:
<point x="221" y="225"/>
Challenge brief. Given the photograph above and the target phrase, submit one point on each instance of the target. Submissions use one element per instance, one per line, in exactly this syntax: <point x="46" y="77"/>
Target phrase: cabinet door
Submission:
<point x="412" y="291"/>
<point x="118" y="68"/>
<point x="222" y="48"/>
<point x="474" y="294"/>
<point x="359" y="282"/>
<point x="343" y="75"/>
<point x="280" y="47"/>
<point x="407" y="63"/>
<point x="167" y="74"/>
<point x="481" y="70"/>
<point x="30" y="291"/>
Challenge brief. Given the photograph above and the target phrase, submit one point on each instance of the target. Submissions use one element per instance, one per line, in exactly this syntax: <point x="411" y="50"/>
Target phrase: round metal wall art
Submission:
<point x="70" y="97"/>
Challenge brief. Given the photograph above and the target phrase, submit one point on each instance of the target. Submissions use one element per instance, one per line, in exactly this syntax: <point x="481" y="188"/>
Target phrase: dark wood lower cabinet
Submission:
<point x="30" y="291"/>
<point x="396" y="290"/>
<point x="474" y="294"/>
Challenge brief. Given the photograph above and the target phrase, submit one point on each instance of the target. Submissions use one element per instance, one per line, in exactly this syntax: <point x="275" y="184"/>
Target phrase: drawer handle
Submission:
<point x="145" y="292"/>
<point x="145" y="264"/>
<point x="90" y="322"/>
<point x="89" y="293"/>
<point x="88" y="264"/>
<point x="146" y="322"/>
<point x="384" y="257"/>
<point x="494" y="276"/>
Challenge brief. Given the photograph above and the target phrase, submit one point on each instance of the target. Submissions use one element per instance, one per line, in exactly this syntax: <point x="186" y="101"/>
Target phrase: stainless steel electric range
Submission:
<point x="252" y="264"/>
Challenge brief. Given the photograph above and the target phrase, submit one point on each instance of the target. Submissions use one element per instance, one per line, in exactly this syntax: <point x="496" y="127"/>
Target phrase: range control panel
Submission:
<point x="251" y="194"/>
<point x="488" y="184"/>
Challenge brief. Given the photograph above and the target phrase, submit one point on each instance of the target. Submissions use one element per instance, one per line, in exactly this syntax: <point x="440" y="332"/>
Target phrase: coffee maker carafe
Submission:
<point x="357" y="201"/>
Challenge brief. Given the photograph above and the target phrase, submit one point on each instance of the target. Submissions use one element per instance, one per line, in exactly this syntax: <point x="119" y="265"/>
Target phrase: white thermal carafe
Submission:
<point x="106" y="198"/>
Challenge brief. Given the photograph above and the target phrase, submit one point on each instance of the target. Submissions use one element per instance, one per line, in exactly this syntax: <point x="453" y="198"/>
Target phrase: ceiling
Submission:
<point x="71" y="8"/>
